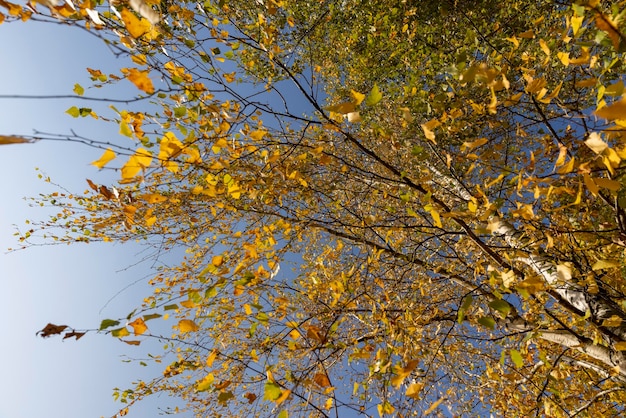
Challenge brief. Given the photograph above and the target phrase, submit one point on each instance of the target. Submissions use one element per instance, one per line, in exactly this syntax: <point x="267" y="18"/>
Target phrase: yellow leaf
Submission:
<point x="595" y="142"/>
<point x="141" y="80"/>
<point x="136" y="27"/>
<point x="544" y="47"/>
<point x="258" y="135"/>
<point x="151" y="220"/>
<point x="604" y="264"/>
<point x="211" y="358"/>
<point x="414" y="389"/>
<point x="434" y="406"/>
<point x="612" y="185"/>
<point x="385" y="408"/>
<point x="358" y="97"/>
<point x="568" y="167"/>
<point x="138" y="161"/>
<point x="428" y="128"/>
<point x="217" y="261"/>
<point x="590" y="184"/>
<point x="468" y="146"/>
<point x="613" y="321"/>
<point x="576" y="23"/>
<point x="104" y="159"/>
<point x="564" y="57"/>
<point x="436" y="218"/>
<point x="188" y="304"/>
<point x="153" y="198"/>
<point x="403" y="372"/>
<point x="342" y="108"/>
<point x="205" y="384"/>
<point x="283" y="397"/>
<point x="187" y="325"/>
<point x="615" y="111"/>
<point x="139" y="326"/>
<point x="621" y="346"/>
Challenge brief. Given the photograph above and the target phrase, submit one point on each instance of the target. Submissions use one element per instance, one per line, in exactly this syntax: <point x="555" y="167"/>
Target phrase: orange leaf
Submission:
<point x="136" y="27"/>
<point x="139" y="326"/>
<point x="187" y="325"/>
<point x="615" y="111"/>
<point x="141" y="80"/>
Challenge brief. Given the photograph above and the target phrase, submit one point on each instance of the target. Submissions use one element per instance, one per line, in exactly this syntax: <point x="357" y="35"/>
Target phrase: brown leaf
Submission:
<point x="106" y="193"/>
<point x="71" y="334"/>
<point x="93" y="186"/>
<point x="51" y="329"/>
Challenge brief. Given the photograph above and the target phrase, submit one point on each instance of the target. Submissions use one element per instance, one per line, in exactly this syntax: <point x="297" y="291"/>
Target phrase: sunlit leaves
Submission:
<point x="107" y="157"/>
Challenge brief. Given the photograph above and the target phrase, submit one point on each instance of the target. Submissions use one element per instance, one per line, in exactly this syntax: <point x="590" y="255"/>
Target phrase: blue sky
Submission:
<point x="69" y="285"/>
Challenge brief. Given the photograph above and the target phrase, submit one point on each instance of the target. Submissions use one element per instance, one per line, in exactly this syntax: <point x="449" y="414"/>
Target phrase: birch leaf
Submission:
<point x="104" y="159"/>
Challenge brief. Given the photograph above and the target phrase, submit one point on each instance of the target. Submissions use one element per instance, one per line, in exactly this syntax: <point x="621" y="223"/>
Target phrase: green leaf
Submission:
<point x="151" y="316"/>
<point x="374" y="97"/>
<point x="73" y="111"/>
<point x="272" y="391"/>
<point x="179" y="112"/>
<point x="106" y="323"/>
<point x="205" y="384"/>
<point x="467" y="301"/>
<point x="170" y="307"/>
<point x="501" y="306"/>
<point x="517" y="359"/>
<point x="78" y="89"/>
<point x="224" y="397"/>
<point x="125" y="129"/>
<point x="120" y="332"/>
<point x="487" y="322"/>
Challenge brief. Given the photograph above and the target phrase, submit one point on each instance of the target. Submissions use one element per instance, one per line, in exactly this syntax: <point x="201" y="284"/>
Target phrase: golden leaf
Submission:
<point x="187" y="325"/>
<point x="104" y="159"/>
<point x="342" y="108"/>
<point x="136" y="27"/>
<point x="141" y="80"/>
<point x="139" y="326"/>
<point x="414" y="390"/>
<point x="358" y="97"/>
<point x="615" y="111"/>
<point x="604" y="264"/>
<point x="153" y="198"/>
<point x="612" y="185"/>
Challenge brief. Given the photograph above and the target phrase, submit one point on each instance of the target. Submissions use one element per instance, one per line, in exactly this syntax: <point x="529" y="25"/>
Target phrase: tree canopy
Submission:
<point x="387" y="207"/>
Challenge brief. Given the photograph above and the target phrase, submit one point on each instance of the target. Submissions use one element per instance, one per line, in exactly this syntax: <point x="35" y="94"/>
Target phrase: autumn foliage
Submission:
<point x="387" y="207"/>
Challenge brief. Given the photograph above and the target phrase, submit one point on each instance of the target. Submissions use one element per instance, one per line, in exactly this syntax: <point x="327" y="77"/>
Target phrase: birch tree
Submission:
<point x="388" y="208"/>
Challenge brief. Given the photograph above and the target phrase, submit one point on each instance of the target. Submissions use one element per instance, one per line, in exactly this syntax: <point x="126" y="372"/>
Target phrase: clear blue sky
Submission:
<point x="59" y="284"/>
